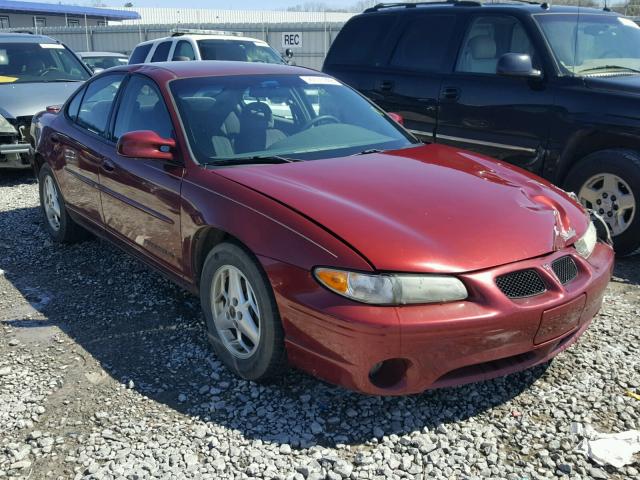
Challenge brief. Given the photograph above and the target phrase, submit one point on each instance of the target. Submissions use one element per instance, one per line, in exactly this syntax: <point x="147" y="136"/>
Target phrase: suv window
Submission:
<point x="423" y="45"/>
<point x="360" y="40"/>
<point x="184" y="49"/>
<point x="142" y="108"/>
<point x="162" y="52"/>
<point x="487" y="39"/>
<point x="97" y="102"/>
<point x="140" y="53"/>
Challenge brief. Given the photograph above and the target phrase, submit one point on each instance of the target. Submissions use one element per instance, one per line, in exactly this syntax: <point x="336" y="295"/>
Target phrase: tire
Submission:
<point x="621" y="170"/>
<point x="262" y="361"/>
<point x="65" y="229"/>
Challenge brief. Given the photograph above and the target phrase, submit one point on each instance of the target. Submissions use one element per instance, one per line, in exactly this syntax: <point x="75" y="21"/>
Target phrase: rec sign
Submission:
<point x="291" y="39"/>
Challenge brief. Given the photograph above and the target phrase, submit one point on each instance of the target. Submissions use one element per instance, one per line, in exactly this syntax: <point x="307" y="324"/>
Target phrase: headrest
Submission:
<point x="483" y="47"/>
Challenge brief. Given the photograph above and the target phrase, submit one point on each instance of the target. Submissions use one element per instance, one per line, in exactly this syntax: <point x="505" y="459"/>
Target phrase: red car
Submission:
<point x="317" y="231"/>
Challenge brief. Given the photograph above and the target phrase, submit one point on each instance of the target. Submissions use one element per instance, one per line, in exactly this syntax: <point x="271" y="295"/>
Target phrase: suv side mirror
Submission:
<point x="146" y="144"/>
<point x="517" y="65"/>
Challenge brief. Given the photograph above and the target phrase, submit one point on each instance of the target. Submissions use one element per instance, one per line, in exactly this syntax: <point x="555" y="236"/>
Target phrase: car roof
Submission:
<point x="235" y="38"/>
<point x="465" y="5"/>
<point x="25" y="38"/>
<point x="101" y="54"/>
<point x="215" y="68"/>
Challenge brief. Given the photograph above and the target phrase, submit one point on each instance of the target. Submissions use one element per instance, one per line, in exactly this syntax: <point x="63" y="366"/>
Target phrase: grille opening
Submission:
<point x="565" y="269"/>
<point x="521" y="284"/>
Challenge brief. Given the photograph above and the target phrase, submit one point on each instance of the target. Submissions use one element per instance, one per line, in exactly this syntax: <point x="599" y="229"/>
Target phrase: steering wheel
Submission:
<point x="320" y="119"/>
<point x="47" y="70"/>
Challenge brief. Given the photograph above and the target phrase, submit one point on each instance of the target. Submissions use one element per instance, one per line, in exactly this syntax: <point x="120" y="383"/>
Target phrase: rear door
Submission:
<point x="410" y="83"/>
<point x="503" y="117"/>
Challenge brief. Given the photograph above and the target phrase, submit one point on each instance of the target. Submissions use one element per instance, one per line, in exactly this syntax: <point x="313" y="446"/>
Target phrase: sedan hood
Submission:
<point x="425" y="209"/>
<point x="27" y="99"/>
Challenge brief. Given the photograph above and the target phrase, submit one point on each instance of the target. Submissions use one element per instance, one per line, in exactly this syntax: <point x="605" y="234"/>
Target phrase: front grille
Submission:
<point x="565" y="269"/>
<point x="521" y="284"/>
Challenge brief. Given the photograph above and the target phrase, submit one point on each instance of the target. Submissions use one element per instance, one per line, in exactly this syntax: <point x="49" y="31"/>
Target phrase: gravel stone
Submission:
<point x="106" y="373"/>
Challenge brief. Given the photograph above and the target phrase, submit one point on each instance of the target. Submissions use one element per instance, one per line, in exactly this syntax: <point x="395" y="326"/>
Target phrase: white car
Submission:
<point x="187" y="44"/>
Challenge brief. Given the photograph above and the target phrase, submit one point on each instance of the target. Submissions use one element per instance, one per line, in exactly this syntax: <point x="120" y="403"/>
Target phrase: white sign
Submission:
<point x="291" y="39"/>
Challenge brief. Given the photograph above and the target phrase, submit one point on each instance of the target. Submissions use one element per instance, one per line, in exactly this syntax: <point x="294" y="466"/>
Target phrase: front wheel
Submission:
<point x="608" y="182"/>
<point x="242" y="318"/>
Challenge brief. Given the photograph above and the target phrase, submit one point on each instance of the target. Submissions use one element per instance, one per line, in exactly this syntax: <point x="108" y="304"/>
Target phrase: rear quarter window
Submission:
<point x="361" y="40"/>
<point x="140" y="53"/>
<point x="162" y="52"/>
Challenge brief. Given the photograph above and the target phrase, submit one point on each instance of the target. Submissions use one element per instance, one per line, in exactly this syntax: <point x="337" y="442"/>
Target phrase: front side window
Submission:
<point x="303" y="117"/>
<point x="162" y="52"/>
<point x="39" y="62"/>
<point x="490" y="37"/>
<point x="424" y="42"/>
<point x="140" y="53"/>
<point x="184" y="51"/>
<point x="238" y="50"/>
<point x="97" y="102"/>
<point x="142" y="108"/>
<point x="592" y="43"/>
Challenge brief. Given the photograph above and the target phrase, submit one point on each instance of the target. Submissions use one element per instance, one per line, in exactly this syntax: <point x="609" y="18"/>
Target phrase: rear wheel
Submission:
<point x="57" y="222"/>
<point x="609" y="183"/>
<point x="242" y="318"/>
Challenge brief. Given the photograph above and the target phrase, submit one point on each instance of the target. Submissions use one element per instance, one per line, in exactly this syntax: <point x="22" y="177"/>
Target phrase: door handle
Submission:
<point x="385" y="85"/>
<point x="450" y="93"/>
<point x="54" y="138"/>
<point x="108" y="165"/>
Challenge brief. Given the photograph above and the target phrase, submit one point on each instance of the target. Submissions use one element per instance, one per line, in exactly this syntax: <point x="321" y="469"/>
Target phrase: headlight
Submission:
<point x="391" y="289"/>
<point x="5" y="126"/>
<point x="587" y="243"/>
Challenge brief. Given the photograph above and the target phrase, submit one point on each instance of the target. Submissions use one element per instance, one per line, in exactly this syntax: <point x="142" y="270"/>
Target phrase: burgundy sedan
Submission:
<point x="317" y="231"/>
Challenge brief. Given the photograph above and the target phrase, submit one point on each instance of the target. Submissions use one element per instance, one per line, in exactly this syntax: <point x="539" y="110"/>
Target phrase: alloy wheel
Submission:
<point x="51" y="203"/>
<point x="235" y="311"/>
<point x="612" y="198"/>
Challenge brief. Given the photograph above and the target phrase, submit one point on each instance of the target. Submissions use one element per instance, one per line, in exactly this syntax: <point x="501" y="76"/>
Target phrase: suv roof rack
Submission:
<point x="380" y="6"/>
<point x="178" y="32"/>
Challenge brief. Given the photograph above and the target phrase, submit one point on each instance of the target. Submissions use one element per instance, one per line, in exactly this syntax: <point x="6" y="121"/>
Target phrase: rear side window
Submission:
<point x="424" y="42"/>
<point x="184" y="49"/>
<point x="360" y="41"/>
<point x="140" y="53"/>
<point x="162" y="52"/>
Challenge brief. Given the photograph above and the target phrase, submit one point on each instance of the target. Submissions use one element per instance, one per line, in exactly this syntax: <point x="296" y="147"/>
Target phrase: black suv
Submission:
<point x="555" y="90"/>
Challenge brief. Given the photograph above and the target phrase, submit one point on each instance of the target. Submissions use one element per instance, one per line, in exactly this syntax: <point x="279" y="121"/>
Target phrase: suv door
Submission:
<point x="410" y="83"/>
<point x="83" y="145"/>
<point x="503" y="117"/>
<point x="140" y="196"/>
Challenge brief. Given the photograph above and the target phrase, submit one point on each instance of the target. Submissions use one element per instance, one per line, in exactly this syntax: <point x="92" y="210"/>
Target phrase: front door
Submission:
<point x="503" y="117"/>
<point x="141" y="197"/>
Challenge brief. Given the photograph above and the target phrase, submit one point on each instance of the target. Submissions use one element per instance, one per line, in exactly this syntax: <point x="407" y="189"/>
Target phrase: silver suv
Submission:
<point x="35" y="72"/>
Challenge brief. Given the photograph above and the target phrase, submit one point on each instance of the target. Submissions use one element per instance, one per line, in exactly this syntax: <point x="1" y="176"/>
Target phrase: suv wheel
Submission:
<point x="242" y="318"/>
<point x="57" y="222"/>
<point x="609" y="183"/>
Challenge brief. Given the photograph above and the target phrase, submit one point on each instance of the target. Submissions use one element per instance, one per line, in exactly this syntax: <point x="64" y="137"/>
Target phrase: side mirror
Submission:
<point x="146" y="144"/>
<point x="97" y="70"/>
<point x="517" y="65"/>
<point x="288" y="53"/>
<point x="396" y="117"/>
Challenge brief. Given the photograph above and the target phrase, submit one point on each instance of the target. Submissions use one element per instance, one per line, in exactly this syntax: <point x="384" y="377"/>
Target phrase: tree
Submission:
<point x="128" y="5"/>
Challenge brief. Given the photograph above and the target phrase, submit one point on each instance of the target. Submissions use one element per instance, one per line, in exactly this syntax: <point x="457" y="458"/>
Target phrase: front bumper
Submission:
<point x="430" y="346"/>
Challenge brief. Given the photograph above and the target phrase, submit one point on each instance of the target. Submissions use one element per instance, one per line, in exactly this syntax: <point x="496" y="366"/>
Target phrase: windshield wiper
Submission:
<point x="368" y="151"/>
<point x="609" y="67"/>
<point x="258" y="159"/>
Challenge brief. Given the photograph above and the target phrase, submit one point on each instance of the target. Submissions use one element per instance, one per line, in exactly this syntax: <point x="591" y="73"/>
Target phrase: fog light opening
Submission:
<point x="388" y="373"/>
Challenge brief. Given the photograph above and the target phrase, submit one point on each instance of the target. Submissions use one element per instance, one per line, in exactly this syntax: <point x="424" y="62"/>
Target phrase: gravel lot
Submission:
<point x="105" y="373"/>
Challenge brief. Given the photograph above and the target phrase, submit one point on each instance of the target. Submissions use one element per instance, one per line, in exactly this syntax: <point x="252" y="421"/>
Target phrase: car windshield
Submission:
<point x="39" y="62"/>
<point x="238" y="50"/>
<point x="589" y="44"/>
<point x="303" y="117"/>
<point x="105" y="62"/>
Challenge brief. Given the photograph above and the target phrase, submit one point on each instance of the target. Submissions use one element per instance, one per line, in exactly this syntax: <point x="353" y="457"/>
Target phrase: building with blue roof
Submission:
<point x="36" y="15"/>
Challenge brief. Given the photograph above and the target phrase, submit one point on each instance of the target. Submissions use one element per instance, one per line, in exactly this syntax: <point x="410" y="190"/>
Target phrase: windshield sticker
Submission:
<point x="4" y="79"/>
<point x="628" y="22"/>
<point x="317" y="80"/>
<point x="52" y="45"/>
